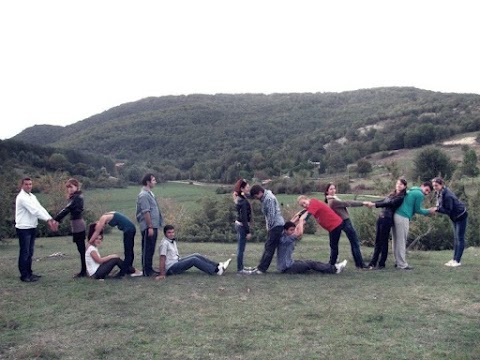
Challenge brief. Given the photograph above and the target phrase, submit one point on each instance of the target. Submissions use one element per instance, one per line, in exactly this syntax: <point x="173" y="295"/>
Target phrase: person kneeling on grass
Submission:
<point x="285" y="262"/>
<point x="99" y="267"/>
<point x="172" y="264"/>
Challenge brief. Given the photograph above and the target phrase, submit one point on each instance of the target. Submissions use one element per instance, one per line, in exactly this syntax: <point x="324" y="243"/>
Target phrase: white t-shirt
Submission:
<point x="92" y="265"/>
<point x="169" y="249"/>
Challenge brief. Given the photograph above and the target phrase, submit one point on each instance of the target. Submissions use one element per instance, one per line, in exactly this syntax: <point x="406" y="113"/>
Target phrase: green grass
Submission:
<point x="432" y="312"/>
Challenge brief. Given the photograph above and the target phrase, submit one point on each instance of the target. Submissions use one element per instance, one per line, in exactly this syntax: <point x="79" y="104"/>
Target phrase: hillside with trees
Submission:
<point x="223" y="137"/>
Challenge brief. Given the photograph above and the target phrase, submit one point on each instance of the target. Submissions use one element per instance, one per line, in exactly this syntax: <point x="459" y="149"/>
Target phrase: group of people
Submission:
<point x="332" y="214"/>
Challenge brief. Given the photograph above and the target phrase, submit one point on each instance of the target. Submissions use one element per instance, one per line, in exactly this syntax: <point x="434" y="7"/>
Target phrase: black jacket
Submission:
<point x="244" y="212"/>
<point x="74" y="207"/>
<point x="449" y="204"/>
<point x="389" y="205"/>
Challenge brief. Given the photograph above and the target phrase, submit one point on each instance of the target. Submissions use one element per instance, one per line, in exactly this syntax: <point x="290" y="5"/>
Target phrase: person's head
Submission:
<point x="91" y="230"/>
<point x="303" y="201"/>
<point x="169" y="232"/>
<point x="426" y="187"/>
<point x="241" y="186"/>
<point x="401" y="186"/>
<point x="257" y="191"/>
<point x="72" y="186"/>
<point x="330" y="190"/>
<point x="27" y="184"/>
<point x="438" y="184"/>
<point x="289" y="228"/>
<point x="149" y="180"/>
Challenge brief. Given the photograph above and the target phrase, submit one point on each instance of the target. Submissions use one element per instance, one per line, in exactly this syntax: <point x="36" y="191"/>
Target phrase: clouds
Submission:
<point x="65" y="61"/>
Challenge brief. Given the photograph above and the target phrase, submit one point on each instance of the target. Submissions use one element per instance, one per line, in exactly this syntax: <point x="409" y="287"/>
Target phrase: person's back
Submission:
<point x="325" y="216"/>
<point x="412" y="204"/>
<point x="285" y="251"/>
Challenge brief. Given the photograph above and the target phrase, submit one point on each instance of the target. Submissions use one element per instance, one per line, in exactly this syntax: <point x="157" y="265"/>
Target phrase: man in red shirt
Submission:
<point x="327" y="219"/>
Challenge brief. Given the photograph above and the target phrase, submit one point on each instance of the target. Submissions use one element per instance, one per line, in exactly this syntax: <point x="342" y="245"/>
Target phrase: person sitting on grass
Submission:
<point x="123" y="223"/>
<point x="285" y="262"/>
<point x="172" y="264"/>
<point x="99" y="267"/>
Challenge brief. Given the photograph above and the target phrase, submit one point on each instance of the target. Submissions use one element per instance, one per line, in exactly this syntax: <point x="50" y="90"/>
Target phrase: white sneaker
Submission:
<point x="222" y="266"/>
<point x="450" y="263"/>
<point x="341" y="266"/>
<point x="136" y="273"/>
<point x="455" y="264"/>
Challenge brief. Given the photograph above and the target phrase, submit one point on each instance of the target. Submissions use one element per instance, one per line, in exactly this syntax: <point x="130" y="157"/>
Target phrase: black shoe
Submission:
<point x="36" y="275"/>
<point x="80" y="275"/>
<point x="151" y="273"/>
<point x="381" y="267"/>
<point x="29" y="279"/>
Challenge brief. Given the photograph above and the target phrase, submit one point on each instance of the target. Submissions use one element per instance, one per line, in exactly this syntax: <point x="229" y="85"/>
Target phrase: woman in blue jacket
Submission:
<point x="449" y="204"/>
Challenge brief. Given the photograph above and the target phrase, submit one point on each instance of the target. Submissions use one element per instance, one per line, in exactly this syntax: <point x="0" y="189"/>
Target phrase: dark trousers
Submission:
<point x="128" y="244"/>
<point x="271" y="245"/>
<point x="352" y="236"/>
<point x="79" y="240"/>
<point x="334" y="236"/>
<point x="148" y="249"/>
<point x="26" y="239"/>
<point x="302" y="266"/>
<point x="384" y="225"/>
<point x="107" y="267"/>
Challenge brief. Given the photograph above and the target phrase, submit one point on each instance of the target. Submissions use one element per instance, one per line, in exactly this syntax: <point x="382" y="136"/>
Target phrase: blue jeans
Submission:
<point x="26" y="239"/>
<point x="194" y="260"/>
<point x="148" y="249"/>
<point x="354" y="242"/>
<point x="459" y="228"/>
<point x="241" y="243"/>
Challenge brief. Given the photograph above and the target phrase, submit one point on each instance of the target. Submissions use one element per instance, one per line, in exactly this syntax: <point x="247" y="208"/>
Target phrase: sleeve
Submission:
<point x="63" y="212"/>
<point x="418" y="206"/>
<point x="269" y="211"/>
<point x="447" y="205"/>
<point x="144" y="204"/>
<point x="335" y="203"/>
<point x="163" y="249"/>
<point x="389" y="202"/>
<point x="244" y="216"/>
<point x="37" y="210"/>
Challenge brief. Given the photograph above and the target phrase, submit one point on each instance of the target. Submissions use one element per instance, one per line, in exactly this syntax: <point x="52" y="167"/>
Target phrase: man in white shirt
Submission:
<point x="172" y="264"/>
<point x="27" y="212"/>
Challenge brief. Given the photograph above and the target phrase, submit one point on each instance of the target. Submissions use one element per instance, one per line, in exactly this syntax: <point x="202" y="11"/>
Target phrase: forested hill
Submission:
<point x="219" y="137"/>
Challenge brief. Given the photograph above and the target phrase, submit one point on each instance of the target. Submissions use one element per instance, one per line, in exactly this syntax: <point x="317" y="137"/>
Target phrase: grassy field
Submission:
<point x="432" y="312"/>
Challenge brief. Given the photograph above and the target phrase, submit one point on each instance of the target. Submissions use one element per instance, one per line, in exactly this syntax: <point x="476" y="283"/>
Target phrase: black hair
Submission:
<point x="429" y="184"/>
<point x="256" y="189"/>
<point x="146" y="178"/>
<point x="326" y="191"/>
<point x="288" y="225"/>
<point x="168" y="227"/>
<point x="91" y="230"/>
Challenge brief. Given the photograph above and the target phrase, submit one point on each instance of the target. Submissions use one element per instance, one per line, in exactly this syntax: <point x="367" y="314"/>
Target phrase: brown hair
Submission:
<point x="74" y="182"/>
<point x="239" y="185"/>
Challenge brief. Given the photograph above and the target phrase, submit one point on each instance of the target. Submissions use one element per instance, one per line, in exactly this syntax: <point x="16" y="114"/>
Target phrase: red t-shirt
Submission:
<point x="326" y="217"/>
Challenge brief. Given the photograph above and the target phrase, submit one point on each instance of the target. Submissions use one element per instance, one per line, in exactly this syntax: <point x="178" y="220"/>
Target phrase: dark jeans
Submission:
<point x="148" y="249"/>
<point x="79" y="240"/>
<point x="271" y="245"/>
<point x="241" y="243"/>
<point x="334" y="236"/>
<point x="26" y="239"/>
<point x="302" y="266"/>
<point x="459" y="228"/>
<point x="128" y="244"/>
<point x="354" y="242"/>
<point x="107" y="267"/>
<point x="384" y="225"/>
<point x="194" y="260"/>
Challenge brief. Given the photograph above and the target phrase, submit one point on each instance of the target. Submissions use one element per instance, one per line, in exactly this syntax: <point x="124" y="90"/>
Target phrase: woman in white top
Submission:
<point x="99" y="267"/>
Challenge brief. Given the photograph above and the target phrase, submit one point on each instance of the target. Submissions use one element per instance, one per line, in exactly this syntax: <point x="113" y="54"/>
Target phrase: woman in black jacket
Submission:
<point x="242" y="222"/>
<point x="385" y="222"/>
<point x="75" y="209"/>
<point x="449" y="204"/>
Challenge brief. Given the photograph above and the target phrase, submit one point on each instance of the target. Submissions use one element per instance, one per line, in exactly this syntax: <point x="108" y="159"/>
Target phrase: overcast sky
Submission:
<point x="63" y="61"/>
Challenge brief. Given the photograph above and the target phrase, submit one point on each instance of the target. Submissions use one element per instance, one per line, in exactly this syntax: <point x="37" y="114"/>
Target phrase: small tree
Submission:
<point x="469" y="165"/>
<point x="431" y="162"/>
<point x="364" y="167"/>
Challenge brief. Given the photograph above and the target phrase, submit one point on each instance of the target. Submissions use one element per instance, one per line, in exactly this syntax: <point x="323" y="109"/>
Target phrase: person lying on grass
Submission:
<point x="285" y="262"/>
<point x="100" y="267"/>
<point x="172" y="264"/>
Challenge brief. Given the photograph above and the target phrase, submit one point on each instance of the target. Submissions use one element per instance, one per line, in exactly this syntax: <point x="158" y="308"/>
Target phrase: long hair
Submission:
<point x="326" y="191"/>
<point x="239" y="185"/>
